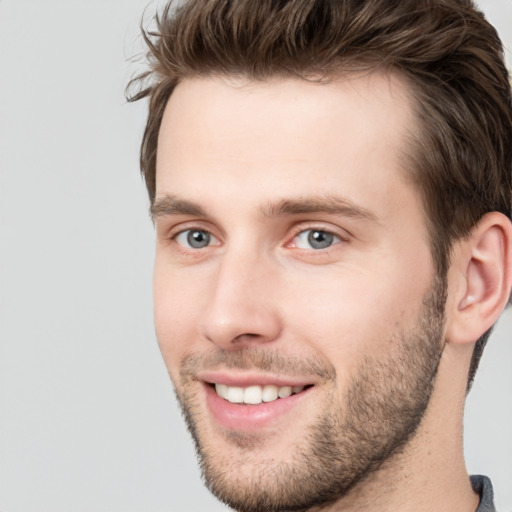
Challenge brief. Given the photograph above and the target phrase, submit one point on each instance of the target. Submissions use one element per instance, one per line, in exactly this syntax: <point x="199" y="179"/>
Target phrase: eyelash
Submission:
<point x="300" y="230"/>
<point x="302" y="233"/>
<point x="190" y="231"/>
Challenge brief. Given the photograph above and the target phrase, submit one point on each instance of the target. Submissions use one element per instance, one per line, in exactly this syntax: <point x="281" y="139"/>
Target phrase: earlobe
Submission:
<point x="484" y="263"/>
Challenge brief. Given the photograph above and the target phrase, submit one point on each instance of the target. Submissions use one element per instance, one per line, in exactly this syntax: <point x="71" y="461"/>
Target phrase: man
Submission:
<point x="331" y="187"/>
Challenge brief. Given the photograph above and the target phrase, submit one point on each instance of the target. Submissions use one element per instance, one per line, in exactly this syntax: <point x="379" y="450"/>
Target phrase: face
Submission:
<point x="295" y="301"/>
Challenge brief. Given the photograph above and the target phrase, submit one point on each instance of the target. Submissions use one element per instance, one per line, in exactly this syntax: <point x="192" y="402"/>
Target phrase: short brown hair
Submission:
<point x="451" y="56"/>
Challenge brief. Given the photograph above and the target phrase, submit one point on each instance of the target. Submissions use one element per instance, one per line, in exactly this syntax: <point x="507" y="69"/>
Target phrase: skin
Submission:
<point x="259" y="290"/>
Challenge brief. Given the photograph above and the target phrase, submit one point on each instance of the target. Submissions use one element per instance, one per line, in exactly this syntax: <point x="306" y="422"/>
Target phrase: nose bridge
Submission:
<point x="240" y="309"/>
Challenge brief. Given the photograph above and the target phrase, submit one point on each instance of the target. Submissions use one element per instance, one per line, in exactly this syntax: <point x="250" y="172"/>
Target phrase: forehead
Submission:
<point x="307" y="137"/>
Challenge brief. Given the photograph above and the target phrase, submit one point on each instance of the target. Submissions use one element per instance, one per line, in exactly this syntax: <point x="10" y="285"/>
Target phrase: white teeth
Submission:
<point x="235" y="395"/>
<point x="270" y="393"/>
<point x="285" y="391"/>
<point x="222" y="390"/>
<point x="254" y="395"/>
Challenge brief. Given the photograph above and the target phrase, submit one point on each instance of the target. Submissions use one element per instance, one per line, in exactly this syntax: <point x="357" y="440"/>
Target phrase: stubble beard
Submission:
<point x="377" y="416"/>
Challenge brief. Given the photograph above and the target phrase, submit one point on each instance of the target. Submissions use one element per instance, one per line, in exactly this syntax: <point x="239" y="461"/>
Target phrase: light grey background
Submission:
<point x="88" y="422"/>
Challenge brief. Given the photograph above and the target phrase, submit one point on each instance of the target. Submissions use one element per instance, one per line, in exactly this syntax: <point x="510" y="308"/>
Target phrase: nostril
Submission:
<point x="246" y="337"/>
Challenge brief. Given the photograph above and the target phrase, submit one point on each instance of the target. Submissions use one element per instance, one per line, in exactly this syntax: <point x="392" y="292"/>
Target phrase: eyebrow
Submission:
<point x="172" y="205"/>
<point x="324" y="204"/>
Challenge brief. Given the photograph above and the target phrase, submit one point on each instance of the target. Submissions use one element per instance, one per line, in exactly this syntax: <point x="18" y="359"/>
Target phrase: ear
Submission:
<point x="480" y="279"/>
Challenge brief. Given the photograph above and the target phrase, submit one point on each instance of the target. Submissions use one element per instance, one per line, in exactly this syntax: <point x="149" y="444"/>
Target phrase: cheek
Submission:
<point x="177" y="309"/>
<point x="355" y="312"/>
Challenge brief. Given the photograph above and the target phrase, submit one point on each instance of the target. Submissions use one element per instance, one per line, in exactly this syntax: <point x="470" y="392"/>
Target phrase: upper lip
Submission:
<point x="245" y="379"/>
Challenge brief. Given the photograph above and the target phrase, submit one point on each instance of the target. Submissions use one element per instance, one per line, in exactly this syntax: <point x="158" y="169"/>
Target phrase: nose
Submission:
<point x="241" y="308"/>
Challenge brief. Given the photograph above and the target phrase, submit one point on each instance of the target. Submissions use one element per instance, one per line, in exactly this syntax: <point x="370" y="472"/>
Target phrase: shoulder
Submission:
<point x="482" y="485"/>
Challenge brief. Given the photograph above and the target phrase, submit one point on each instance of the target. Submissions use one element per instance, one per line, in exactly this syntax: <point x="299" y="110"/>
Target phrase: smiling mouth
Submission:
<point x="254" y="395"/>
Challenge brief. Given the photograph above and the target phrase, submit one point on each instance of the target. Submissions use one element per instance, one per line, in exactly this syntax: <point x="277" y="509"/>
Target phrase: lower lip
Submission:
<point x="249" y="418"/>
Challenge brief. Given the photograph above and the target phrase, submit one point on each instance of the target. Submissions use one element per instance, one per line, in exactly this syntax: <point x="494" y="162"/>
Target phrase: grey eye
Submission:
<point x="320" y="239"/>
<point x="194" y="238"/>
<point x="315" y="239"/>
